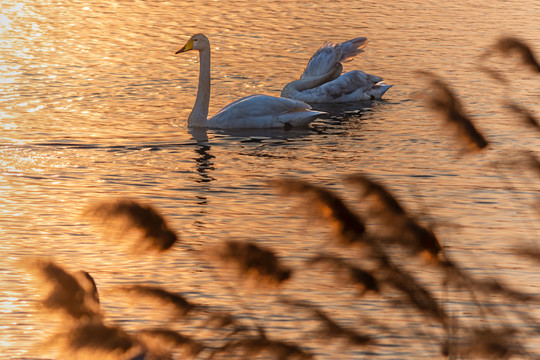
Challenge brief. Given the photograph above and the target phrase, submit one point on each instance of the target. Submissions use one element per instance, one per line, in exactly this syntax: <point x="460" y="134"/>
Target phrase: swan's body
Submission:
<point x="323" y="81"/>
<point x="256" y="111"/>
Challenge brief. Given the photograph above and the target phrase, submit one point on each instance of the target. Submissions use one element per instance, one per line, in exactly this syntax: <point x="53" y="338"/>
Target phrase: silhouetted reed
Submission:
<point x="182" y="307"/>
<point x="533" y="162"/>
<point x="133" y="215"/>
<point x="91" y="337"/>
<point x="509" y="46"/>
<point x="496" y="287"/>
<point x="253" y="261"/>
<point x="162" y="342"/>
<point x="91" y="340"/>
<point x="527" y="117"/>
<point x="222" y="320"/>
<point x="494" y="74"/>
<point x="74" y="294"/>
<point x="415" y="294"/>
<point x="348" y="273"/>
<point x="384" y="204"/>
<point x="485" y="343"/>
<point x="532" y="253"/>
<point x="348" y="226"/>
<point x="404" y="229"/>
<point x="449" y="106"/>
<point x="461" y="279"/>
<point x="331" y="329"/>
<point x="279" y="350"/>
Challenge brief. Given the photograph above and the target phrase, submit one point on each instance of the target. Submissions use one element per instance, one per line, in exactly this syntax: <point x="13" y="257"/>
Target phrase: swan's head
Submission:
<point x="196" y="42"/>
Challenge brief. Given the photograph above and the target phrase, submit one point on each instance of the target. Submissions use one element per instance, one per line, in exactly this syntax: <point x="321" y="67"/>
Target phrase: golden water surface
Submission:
<point x="93" y="106"/>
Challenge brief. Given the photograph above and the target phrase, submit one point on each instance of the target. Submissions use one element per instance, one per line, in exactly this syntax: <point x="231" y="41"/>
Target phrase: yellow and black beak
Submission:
<point x="187" y="47"/>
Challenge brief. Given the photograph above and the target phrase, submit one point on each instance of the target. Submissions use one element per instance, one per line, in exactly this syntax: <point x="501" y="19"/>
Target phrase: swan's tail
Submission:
<point x="301" y="118"/>
<point x="378" y="90"/>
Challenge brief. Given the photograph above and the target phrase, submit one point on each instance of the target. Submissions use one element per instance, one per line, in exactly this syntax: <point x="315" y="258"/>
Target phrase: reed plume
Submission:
<point x="348" y="227"/>
<point x="182" y="307"/>
<point x="74" y="294"/>
<point x="512" y="45"/>
<point x="449" y="106"/>
<point x="351" y="274"/>
<point x="155" y="233"/>
<point x="253" y="261"/>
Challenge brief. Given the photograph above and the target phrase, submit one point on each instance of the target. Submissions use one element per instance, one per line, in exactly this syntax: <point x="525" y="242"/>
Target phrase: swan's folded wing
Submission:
<point x="262" y="111"/>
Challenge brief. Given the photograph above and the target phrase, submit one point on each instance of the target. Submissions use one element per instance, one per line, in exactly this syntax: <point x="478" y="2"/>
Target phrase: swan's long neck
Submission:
<point x="199" y="114"/>
<point x="310" y="82"/>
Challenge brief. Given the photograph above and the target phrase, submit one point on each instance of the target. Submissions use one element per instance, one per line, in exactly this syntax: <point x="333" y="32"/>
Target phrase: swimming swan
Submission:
<point x="256" y="111"/>
<point x="323" y="81"/>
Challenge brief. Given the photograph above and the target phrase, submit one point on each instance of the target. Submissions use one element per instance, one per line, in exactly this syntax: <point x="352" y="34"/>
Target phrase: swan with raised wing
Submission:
<point x="255" y="111"/>
<point x="323" y="80"/>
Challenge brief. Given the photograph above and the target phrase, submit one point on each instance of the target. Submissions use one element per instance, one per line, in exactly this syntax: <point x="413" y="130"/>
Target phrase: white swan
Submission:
<point x="256" y="111"/>
<point x="323" y="81"/>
